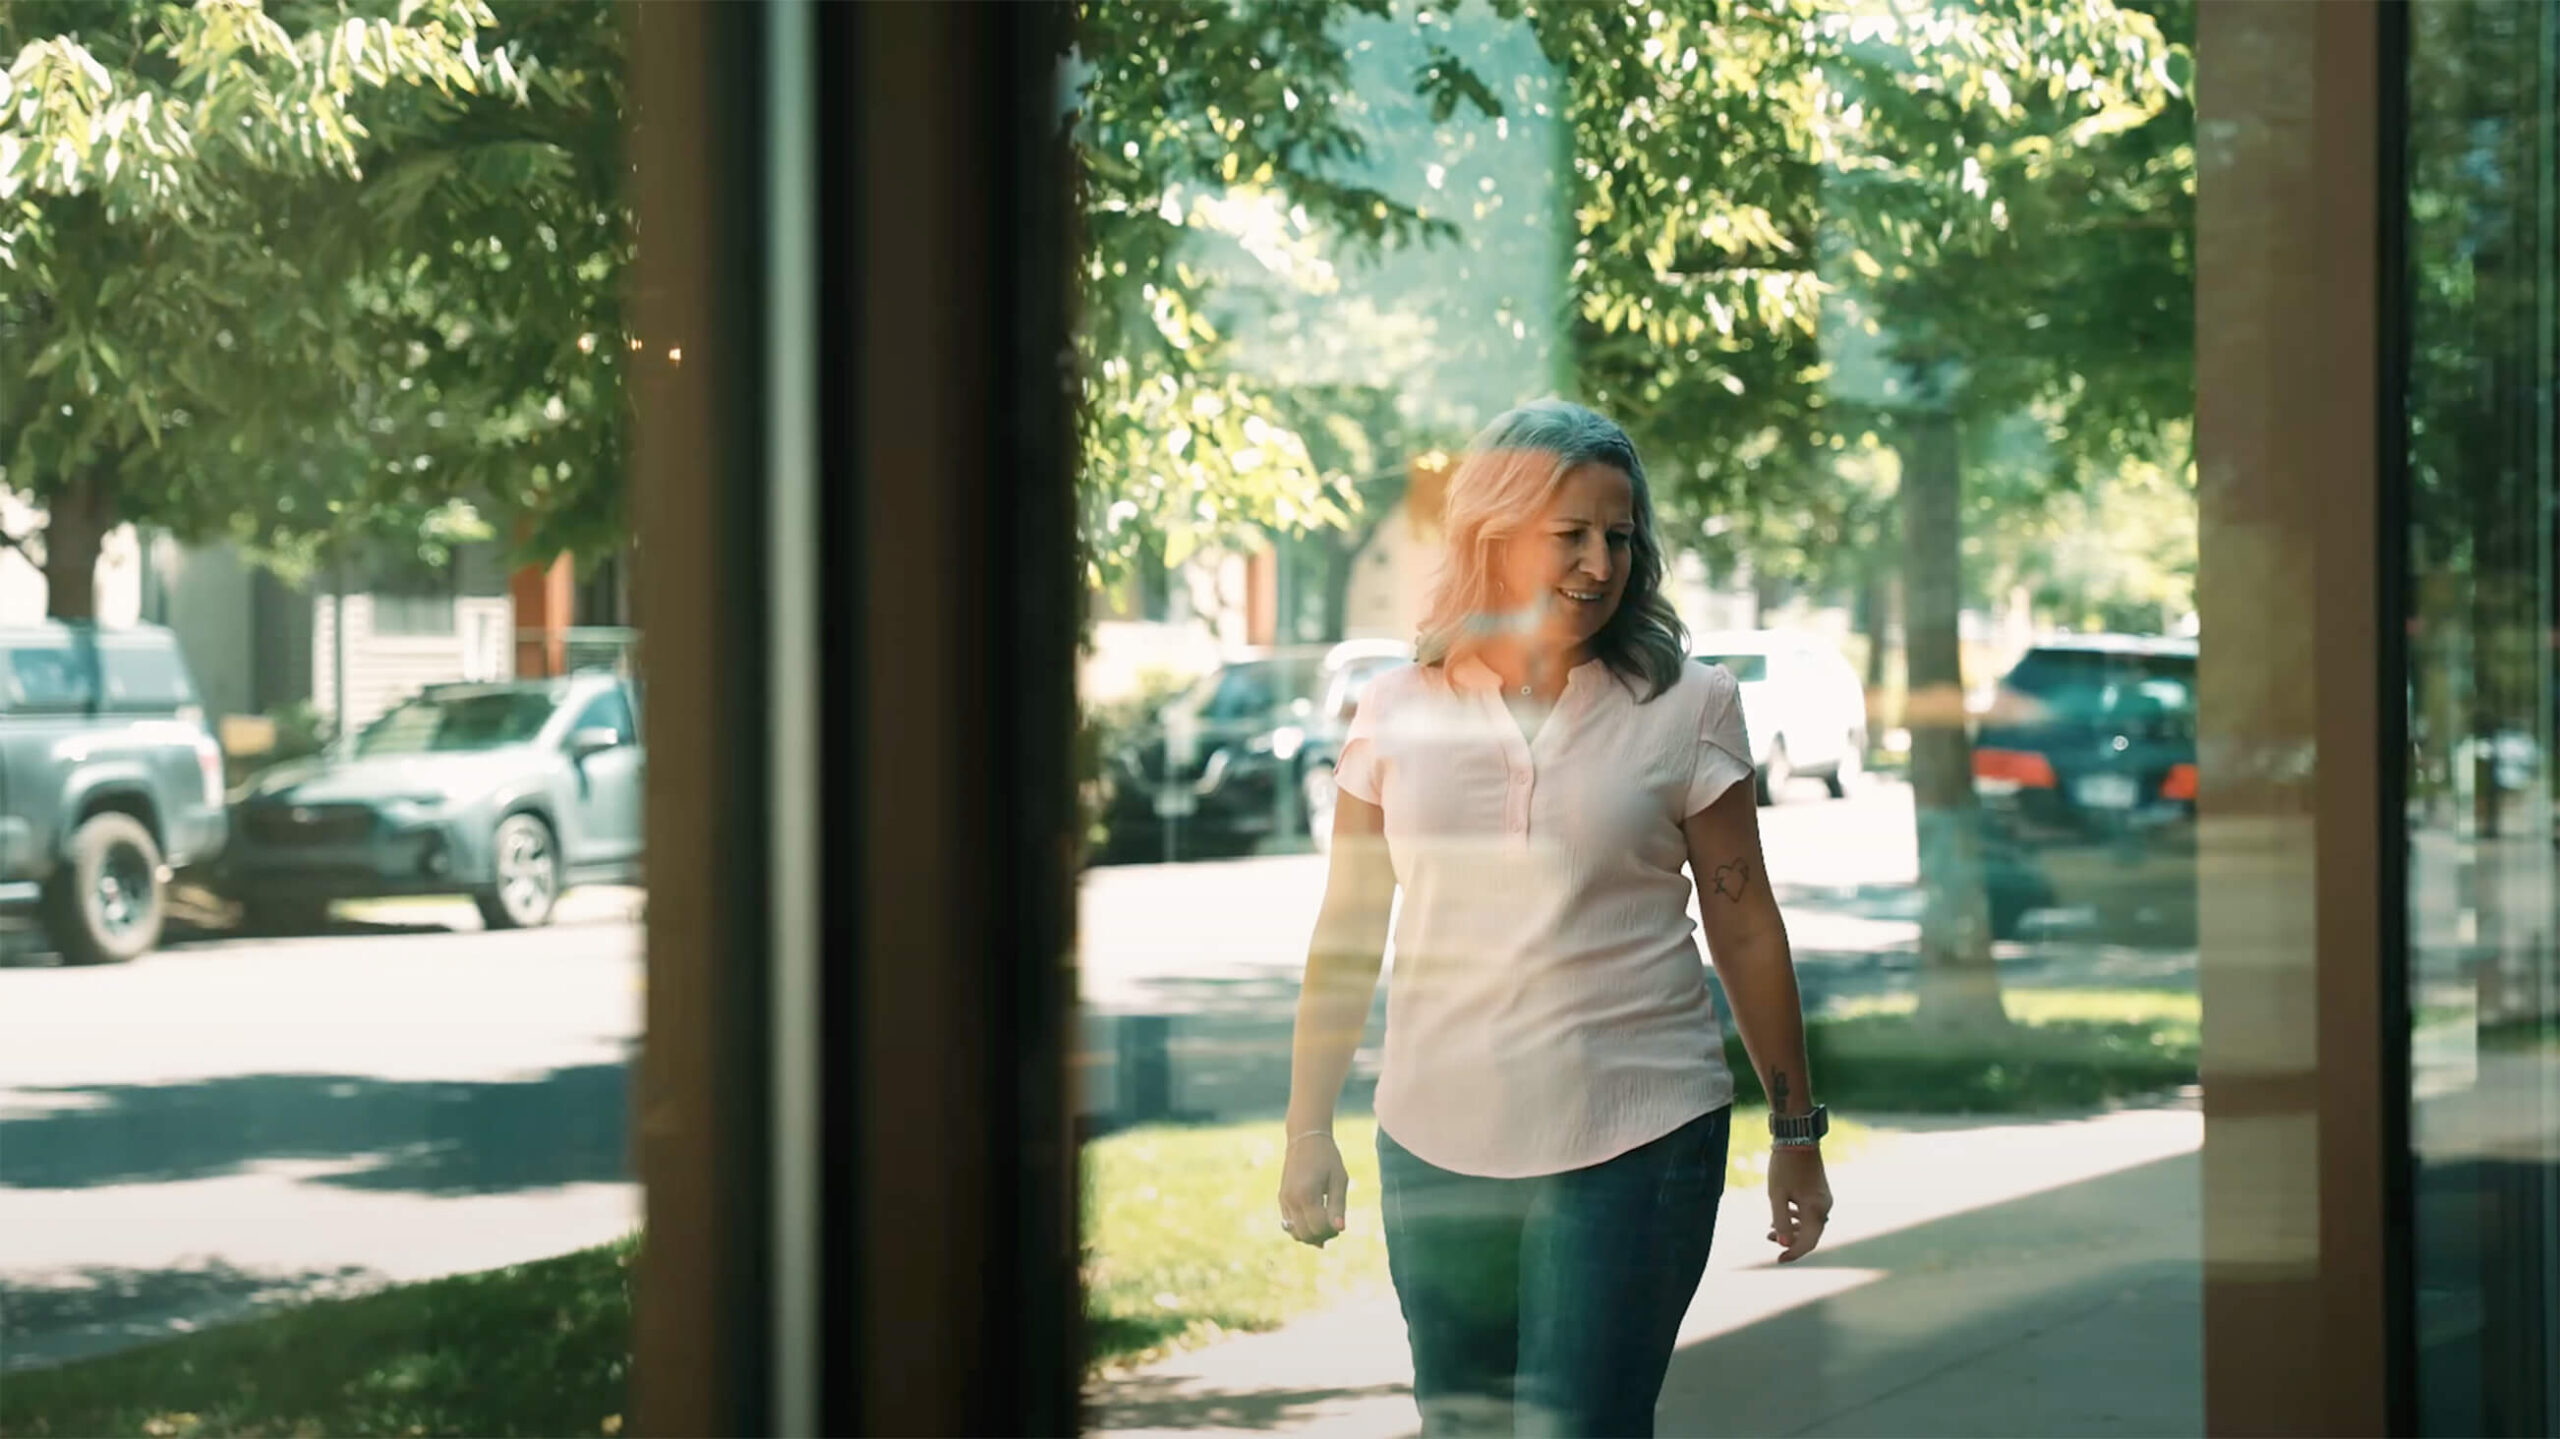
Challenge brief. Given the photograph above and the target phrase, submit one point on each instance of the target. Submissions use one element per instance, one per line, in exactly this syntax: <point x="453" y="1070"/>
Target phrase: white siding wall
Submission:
<point x="383" y="670"/>
<point x="211" y="610"/>
<point x="22" y="586"/>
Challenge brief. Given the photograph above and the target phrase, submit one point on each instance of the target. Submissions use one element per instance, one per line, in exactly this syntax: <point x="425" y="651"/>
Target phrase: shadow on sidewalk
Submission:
<point x="569" y="1126"/>
<point x="2075" y="1311"/>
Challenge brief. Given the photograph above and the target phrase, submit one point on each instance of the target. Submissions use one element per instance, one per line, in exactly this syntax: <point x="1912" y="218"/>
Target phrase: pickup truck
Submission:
<point x="109" y="782"/>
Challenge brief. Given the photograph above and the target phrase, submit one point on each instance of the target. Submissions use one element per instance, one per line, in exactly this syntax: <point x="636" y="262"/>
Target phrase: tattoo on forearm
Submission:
<point x="1778" y="1090"/>
<point x="1730" y="878"/>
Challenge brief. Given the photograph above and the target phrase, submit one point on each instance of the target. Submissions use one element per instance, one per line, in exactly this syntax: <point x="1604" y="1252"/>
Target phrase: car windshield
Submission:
<point x="487" y="719"/>
<point x="1250" y="689"/>
<point x="2095" y="685"/>
<point x="1747" y="668"/>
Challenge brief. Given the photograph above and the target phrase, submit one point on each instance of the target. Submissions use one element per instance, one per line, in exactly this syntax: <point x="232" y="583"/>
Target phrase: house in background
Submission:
<point x="259" y="646"/>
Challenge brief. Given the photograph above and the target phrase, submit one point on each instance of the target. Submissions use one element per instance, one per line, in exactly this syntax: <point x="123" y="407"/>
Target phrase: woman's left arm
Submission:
<point x="1748" y="939"/>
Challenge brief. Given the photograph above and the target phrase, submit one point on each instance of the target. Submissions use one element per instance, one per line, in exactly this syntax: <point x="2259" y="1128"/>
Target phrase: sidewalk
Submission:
<point x="2027" y="1277"/>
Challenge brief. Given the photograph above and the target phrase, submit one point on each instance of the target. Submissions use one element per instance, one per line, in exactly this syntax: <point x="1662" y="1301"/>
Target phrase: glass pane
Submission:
<point x="145" y="677"/>
<point x="1877" y="332"/>
<point x="50" y="680"/>
<point x="2484" y="876"/>
<point x="313" y="1064"/>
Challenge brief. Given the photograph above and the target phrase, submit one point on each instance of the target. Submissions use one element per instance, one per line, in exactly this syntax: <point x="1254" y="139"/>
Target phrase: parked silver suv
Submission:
<point x="509" y="793"/>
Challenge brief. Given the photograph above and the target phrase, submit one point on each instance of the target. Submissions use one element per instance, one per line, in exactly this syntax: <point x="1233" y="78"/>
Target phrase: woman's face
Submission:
<point x="1566" y="569"/>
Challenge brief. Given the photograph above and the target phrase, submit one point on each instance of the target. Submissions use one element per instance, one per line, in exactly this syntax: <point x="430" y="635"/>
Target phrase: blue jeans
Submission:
<point x="1549" y="1305"/>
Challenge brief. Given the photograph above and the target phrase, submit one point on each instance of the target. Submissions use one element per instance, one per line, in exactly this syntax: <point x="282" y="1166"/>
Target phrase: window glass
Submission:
<point x="50" y="679"/>
<point x="2483" y="865"/>
<point x="145" y="677"/>
<point x="299" y="298"/>
<point x="609" y="711"/>
<point x="461" y="720"/>
<point x="1896" y="314"/>
<point x="414" y="600"/>
<point x="1746" y="668"/>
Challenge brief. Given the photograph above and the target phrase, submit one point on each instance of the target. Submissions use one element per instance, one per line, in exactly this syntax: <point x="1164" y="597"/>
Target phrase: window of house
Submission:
<point x="415" y="599"/>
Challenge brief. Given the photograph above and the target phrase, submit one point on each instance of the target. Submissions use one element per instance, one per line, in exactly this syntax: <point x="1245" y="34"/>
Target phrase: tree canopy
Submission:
<point x="306" y="272"/>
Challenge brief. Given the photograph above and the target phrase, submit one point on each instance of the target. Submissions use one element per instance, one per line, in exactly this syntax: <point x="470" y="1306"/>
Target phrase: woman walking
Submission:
<point x="1546" y="784"/>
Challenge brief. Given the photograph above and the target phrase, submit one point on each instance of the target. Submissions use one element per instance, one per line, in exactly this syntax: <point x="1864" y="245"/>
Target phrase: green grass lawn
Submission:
<point x="2065" y="1049"/>
<point x="536" y="1349"/>
<point x="1183" y="1241"/>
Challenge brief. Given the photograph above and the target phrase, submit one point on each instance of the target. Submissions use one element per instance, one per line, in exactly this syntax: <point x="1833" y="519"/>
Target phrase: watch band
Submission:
<point x="1800" y="1129"/>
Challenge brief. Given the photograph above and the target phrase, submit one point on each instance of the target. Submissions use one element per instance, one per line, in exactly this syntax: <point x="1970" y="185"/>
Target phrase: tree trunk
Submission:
<point x="1342" y="552"/>
<point x="1959" y="987"/>
<point x="1875" y="621"/>
<point x="75" y="532"/>
<point x="1338" y="556"/>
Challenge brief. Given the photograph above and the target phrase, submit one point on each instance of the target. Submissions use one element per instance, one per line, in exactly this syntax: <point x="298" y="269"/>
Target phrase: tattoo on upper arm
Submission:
<point x="1731" y="878"/>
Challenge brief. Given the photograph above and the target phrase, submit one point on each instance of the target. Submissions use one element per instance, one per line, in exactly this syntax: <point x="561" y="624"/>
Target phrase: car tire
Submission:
<point x="108" y="901"/>
<point x="524" y="857"/>
<point x="1852" y="769"/>
<point x="1773" y="778"/>
<point x="1317" y="792"/>
<point x="280" y="917"/>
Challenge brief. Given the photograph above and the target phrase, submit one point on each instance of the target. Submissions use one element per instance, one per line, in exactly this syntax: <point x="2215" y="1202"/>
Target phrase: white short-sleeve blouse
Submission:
<point x="1548" y="1008"/>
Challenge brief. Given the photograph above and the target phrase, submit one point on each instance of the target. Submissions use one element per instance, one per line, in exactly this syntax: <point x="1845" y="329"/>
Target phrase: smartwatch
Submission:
<point x="1800" y="1131"/>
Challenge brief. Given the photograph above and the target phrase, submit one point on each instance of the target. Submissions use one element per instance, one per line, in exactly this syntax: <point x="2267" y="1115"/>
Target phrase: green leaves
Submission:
<point x="238" y="240"/>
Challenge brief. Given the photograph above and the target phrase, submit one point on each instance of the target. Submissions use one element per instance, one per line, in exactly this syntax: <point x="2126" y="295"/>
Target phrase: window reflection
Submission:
<point x="2484" y="875"/>
<point x="1920" y="443"/>
<point x="312" y="366"/>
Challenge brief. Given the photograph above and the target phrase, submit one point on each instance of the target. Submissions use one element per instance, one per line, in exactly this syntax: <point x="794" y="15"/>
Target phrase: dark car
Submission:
<point x="510" y="793"/>
<point x="2085" y="769"/>
<point x="109" y="782"/>
<point x="1244" y="754"/>
<point x="1355" y="663"/>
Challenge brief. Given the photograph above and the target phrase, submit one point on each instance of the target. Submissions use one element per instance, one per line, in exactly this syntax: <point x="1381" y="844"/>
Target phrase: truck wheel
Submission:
<point x="107" y="902"/>
<point x="1772" y="780"/>
<point x="527" y="864"/>
<point x="1846" y="775"/>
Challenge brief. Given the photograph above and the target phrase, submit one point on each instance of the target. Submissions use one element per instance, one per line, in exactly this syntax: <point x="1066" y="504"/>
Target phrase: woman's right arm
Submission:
<point x="1333" y="1012"/>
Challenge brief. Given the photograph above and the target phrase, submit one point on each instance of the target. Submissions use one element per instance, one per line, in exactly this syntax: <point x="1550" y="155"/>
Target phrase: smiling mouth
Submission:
<point x="1588" y="597"/>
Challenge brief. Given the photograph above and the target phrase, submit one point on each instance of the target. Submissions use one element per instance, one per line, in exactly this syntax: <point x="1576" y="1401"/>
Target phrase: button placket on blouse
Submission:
<point x="1519" y="769"/>
<point x="1519" y="754"/>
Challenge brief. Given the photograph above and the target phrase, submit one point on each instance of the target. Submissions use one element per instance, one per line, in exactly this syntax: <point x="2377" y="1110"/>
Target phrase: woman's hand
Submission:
<point x="1799" y="1200"/>
<point x="1314" y="1189"/>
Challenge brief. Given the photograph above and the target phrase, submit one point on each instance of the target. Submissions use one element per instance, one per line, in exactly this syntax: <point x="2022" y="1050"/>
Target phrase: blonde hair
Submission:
<point x="1507" y="477"/>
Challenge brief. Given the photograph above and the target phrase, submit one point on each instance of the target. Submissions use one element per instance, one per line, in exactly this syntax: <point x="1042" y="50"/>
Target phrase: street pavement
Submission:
<point x="1217" y="949"/>
<point x="230" y="1124"/>
<point x="234" y="1123"/>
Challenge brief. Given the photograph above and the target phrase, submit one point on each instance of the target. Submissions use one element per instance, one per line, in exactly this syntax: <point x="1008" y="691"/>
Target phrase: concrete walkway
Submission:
<point x="2032" y="1277"/>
